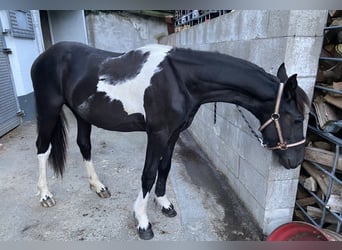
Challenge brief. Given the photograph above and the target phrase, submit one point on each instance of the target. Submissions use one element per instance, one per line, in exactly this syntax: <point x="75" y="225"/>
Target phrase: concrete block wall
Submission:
<point x="267" y="38"/>
<point x="122" y="31"/>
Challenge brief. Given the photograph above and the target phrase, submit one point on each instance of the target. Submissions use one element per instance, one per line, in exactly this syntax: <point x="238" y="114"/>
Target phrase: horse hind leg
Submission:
<point x="46" y="197"/>
<point x="83" y="141"/>
<point x="46" y="129"/>
<point x="95" y="184"/>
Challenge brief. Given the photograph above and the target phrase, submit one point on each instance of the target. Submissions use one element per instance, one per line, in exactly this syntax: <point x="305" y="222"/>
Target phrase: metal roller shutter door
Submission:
<point x="8" y="100"/>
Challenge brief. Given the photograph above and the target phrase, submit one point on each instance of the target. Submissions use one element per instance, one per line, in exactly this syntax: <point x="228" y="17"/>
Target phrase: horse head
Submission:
<point x="283" y="130"/>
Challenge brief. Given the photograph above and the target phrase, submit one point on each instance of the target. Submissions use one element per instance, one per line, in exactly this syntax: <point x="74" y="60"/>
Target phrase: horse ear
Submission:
<point x="290" y="87"/>
<point x="281" y="74"/>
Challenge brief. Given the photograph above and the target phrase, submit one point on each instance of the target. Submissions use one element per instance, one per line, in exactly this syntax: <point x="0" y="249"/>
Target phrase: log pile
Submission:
<point x="313" y="180"/>
<point x="327" y="112"/>
<point x="328" y="101"/>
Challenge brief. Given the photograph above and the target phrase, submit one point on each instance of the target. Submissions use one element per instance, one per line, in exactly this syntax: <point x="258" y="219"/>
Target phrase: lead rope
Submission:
<point x="259" y="138"/>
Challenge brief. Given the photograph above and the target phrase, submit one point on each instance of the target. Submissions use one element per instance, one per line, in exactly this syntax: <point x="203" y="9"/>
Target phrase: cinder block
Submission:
<point x="252" y="205"/>
<point x="258" y="157"/>
<point x="307" y="84"/>
<point x="254" y="182"/>
<point x="228" y="27"/>
<point x="253" y="24"/>
<point x="307" y="22"/>
<point x="280" y="194"/>
<point x="183" y="37"/>
<point x="279" y="172"/>
<point x="226" y="111"/>
<point x="227" y="132"/>
<point x="200" y="39"/>
<point x="268" y="53"/>
<point x="231" y="162"/>
<point x="251" y="120"/>
<point x="278" y="23"/>
<point x="274" y="218"/>
<point x="302" y="55"/>
<point x="190" y="37"/>
<point x="224" y="155"/>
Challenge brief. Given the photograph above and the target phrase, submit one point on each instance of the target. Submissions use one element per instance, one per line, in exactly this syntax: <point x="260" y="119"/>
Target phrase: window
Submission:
<point x="21" y="24"/>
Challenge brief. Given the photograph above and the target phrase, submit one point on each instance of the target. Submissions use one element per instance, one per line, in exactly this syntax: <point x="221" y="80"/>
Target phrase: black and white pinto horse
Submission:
<point x="157" y="89"/>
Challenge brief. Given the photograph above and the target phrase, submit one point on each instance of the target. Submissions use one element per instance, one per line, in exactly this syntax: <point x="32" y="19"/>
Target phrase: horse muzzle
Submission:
<point x="292" y="157"/>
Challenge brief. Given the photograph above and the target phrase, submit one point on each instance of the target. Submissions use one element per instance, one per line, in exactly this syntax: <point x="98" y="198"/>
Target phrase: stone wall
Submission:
<point x="266" y="38"/>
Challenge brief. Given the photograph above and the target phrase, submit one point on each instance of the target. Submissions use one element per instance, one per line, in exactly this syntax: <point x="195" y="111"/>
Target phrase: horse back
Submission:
<point x="66" y="63"/>
<point x="67" y="73"/>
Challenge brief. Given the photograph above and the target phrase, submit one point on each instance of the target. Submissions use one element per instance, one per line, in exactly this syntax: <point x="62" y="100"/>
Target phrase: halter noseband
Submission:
<point x="282" y="145"/>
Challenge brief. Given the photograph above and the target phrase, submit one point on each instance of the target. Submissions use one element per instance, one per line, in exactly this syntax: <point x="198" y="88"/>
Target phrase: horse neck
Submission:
<point x="238" y="82"/>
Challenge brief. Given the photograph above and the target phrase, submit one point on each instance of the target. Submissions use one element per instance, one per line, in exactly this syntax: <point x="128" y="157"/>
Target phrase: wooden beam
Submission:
<point x="323" y="157"/>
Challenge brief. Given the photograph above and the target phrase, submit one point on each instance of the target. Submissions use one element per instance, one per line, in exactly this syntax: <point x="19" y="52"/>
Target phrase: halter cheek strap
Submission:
<point x="282" y="145"/>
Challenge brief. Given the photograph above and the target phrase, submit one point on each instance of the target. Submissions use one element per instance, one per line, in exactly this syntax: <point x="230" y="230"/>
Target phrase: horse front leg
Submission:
<point x="167" y="207"/>
<point x="155" y="145"/>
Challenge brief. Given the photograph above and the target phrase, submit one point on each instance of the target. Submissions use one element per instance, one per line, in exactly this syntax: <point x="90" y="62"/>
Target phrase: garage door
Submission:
<point x="8" y="99"/>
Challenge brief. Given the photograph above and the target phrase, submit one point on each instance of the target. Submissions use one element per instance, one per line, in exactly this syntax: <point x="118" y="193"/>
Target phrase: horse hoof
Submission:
<point x="47" y="201"/>
<point x="169" y="212"/>
<point x="104" y="192"/>
<point x="146" y="234"/>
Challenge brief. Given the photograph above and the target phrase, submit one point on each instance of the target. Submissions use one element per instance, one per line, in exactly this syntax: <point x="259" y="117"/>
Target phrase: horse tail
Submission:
<point x="59" y="144"/>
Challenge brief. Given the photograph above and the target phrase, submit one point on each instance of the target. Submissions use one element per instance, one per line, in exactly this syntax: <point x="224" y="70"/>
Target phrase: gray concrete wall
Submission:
<point x="266" y="38"/>
<point x="122" y="31"/>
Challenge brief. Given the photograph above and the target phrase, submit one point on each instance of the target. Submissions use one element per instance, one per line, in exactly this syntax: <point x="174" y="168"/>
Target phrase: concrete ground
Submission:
<point x="208" y="210"/>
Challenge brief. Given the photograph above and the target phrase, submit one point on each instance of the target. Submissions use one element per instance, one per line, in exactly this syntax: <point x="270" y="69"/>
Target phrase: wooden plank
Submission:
<point x="325" y="112"/>
<point x="300" y="216"/>
<point x="318" y="175"/>
<point x="335" y="203"/>
<point x="323" y="182"/>
<point x="333" y="100"/>
<point x="310" y="184"/>
<point x="335" y="13"/>
<point x="307" y="201"/>
<point x="317" y="213"/>
<point x="322" y="156"/>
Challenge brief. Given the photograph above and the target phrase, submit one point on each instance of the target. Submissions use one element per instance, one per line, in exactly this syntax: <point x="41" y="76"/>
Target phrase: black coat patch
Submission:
<point x="117" y="70"/>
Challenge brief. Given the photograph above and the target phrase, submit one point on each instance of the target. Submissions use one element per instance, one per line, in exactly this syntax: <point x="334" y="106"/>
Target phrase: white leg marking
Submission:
<point x="140" y="214"/>
<point x="163" y="201"/>
<point x="93" y="178"/>
<point x="42" y="182"/>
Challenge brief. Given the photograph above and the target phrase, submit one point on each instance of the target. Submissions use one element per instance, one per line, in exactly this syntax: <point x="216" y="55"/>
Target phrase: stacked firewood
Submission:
<point x="315" y="181"/>
<point x="330" y="72"/>
<point x="326" y="116"/>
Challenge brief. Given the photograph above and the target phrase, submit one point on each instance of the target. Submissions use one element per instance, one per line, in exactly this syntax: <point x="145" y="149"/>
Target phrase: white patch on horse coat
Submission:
<point x="131" y="91"/>
<point x="140" y="214"/>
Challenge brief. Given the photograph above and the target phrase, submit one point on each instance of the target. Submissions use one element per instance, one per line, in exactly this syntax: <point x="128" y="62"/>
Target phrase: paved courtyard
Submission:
<point x="208" y="210"/>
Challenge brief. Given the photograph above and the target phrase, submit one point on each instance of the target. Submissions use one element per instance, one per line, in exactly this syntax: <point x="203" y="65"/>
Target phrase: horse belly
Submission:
<point x="99" y="110"/>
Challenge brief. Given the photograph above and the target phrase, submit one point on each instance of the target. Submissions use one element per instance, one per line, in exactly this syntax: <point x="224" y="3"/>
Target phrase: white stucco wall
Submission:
<point x="24" y="52"/>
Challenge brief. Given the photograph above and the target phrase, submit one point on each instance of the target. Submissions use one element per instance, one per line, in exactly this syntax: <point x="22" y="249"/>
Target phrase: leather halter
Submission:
<point x="282" y="145"/>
